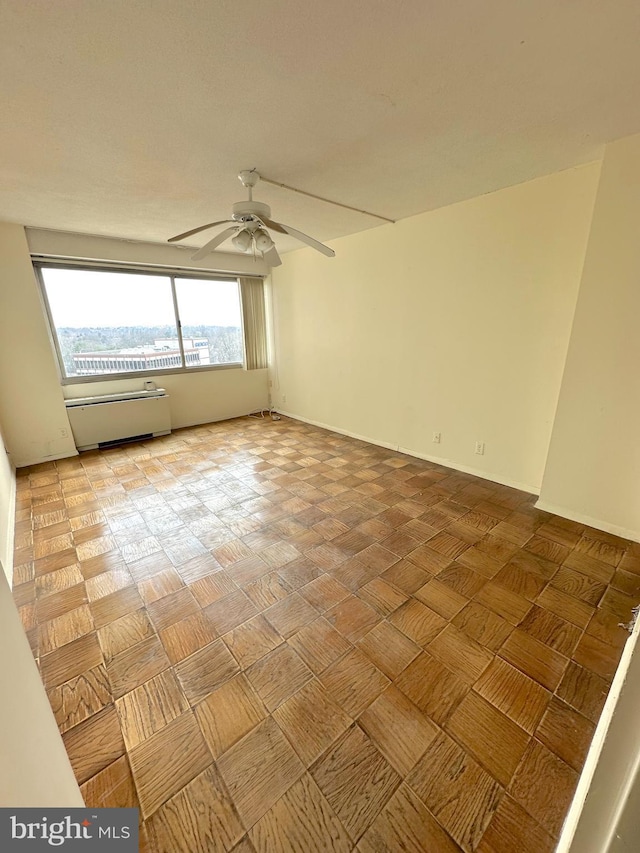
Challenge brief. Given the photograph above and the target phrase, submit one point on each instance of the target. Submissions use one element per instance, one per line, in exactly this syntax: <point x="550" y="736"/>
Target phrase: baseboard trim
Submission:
<point x="581" y="518"/>
<point x="42" y="459"/>
<point x="437" y="460"/>
<point x="7" y="564"/>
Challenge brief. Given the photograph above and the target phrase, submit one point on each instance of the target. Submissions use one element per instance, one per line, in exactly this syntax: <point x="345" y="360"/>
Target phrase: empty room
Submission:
<point x="319" y="505"/>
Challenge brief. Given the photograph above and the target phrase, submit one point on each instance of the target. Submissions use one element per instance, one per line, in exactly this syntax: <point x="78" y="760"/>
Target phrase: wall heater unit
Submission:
<point x="116" y="418"/>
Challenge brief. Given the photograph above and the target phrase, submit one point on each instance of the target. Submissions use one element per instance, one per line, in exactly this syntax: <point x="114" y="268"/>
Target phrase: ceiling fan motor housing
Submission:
<point x="244" y="210"/>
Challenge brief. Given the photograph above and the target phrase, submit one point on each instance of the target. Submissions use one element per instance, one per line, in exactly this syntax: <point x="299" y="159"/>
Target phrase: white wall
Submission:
<point x="593" y="469"/>
<point x="63" y="244"/>
<point x="35" y="769"/>
<point x="33" y="412"/>
<point x="30" y="393"/>
<point x="7" y="511"/>
<point x="602" y="817"/>
<point x="456" y="321"/>
<point x="195" y="398"/>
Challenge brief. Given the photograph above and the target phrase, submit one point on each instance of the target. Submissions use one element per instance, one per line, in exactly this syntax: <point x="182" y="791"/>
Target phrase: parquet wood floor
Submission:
<point x="270" y="637"/>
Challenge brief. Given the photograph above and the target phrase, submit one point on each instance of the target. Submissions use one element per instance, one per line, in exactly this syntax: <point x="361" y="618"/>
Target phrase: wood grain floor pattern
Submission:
<point x="269" y="637"/>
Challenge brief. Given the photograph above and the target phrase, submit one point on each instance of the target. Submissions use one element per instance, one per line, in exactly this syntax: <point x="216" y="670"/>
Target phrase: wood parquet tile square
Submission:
<point x="278" y="675"/>
<point x="157" y="778"/>
<point x="353" y="618"/>
<point x="112" y="787"/>
<point x="319" y="644"/>
<point x="354" y="682"/>
<point x="495" y="741"/>
<point x="206" y="669"/>
<point x="136" y="665"/>
<point x="398" y="728"/>
<point x="252" y="640"/>
<point x="356" y="780"/>
<point x="382" y="596"/>
<point x="229" y="612"/>
<point x="187" y="636"/>
<point x="311" y="720"/>
<point x="64" y="629"/>
<point x="521" y="698"/>
<point x="173" y="608"/>
<point x="418" y="622"/>
<point x="199" y="817"/>
<point x="583" y="690"/>
<point x="290" y="614"/>
<point x="566" y="733"/>
<point x="80" y="697"/>
<point x="258" y="770"/>
<point x="229" y="713"/>
<point x="94" y="743"/>
<point x="218" y="609"/>
<point x="150" y="707"/>
<point x="406" y="824"/>
<point x="122" y="633"/>
<point x="456" y="790"/>
<point x="511" y="829"/>
<point x="460" y="653"/>
<point x="71" y="660"/>
<point x="435" y="689"/>
<point x="301" y="820"/>
<point x="548" y="803"/>
<point x="534" y="658"/>
<point x="389" y="649"/>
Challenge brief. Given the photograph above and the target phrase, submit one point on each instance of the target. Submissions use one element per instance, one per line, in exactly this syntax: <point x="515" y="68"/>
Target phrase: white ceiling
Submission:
<point x="132" y="119"/>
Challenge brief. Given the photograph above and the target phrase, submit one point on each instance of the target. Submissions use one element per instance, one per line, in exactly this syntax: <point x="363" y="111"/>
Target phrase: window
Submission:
<point x="108" y="322"/>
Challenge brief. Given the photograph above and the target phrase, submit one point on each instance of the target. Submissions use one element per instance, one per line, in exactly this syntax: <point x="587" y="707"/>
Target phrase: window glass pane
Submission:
<point x="211" y="324"/>
<point x="111" y="322"/>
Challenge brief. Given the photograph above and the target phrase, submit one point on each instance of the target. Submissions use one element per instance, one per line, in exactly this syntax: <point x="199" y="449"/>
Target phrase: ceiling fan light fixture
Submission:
<point x="249" y="223"/>
<point x="242" y="240"/>
<point x="263" y="240"/>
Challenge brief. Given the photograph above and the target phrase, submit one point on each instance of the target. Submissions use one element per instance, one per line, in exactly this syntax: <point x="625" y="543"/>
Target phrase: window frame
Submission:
<point x="172" y="274"/>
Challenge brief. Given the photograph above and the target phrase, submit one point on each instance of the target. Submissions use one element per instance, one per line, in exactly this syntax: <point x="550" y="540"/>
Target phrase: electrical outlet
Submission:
<point x="284" y="398"/>
<point x="436" y="438"/>
<point x="480" y="448"/>
<point x="63" y="433"/>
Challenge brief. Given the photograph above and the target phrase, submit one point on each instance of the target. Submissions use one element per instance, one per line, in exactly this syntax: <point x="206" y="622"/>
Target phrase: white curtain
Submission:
<point x="254" y="322"/>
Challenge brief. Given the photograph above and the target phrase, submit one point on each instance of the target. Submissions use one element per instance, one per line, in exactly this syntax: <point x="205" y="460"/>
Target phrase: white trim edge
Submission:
<point x="581" y="518"/>
<point x="572" y="820"/>
<point x="41" y="459"/>
<point x="11" y="531"/>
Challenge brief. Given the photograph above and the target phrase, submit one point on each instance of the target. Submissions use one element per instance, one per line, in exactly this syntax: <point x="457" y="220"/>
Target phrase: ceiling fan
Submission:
<point x="250" y="229"/>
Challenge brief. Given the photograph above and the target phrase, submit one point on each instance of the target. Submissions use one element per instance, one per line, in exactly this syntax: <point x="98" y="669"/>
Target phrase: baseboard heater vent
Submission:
<point x="112" y="419"/>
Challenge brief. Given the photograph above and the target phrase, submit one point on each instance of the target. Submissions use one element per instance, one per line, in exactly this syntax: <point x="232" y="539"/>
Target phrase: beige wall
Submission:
<point x="593" y="469"/>
<point x="30" y="393"/>
<point x="7" y="511"/>
<point x="602" y="817"/>
<point x="35" y="769"/>
<point x="455" y="321"/>
<point x="34" y="419"/>
<point x="195" y="398"/>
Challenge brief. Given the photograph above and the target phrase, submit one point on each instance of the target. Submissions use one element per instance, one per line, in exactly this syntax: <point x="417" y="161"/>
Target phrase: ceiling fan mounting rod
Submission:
<point x="327" y="200"/>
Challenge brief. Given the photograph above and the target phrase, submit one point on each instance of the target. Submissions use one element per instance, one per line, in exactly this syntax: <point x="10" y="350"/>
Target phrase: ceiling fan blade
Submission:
<point x="272" y="257"/>
<point x="212" y="244"/>
<point x="304" y="238"/>
<point x="275" y="226"/>
<point x="196" y="230"/>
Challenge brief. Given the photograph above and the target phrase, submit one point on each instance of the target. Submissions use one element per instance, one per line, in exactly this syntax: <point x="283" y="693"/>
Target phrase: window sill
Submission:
<point x="146" y="374"/>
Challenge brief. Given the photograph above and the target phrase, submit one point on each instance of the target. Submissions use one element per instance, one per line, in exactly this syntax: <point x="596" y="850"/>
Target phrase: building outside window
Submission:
<point x="107" y="322"/>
